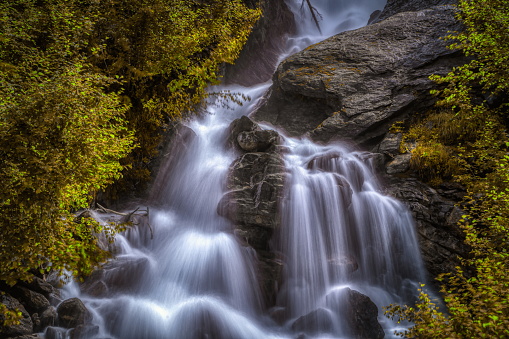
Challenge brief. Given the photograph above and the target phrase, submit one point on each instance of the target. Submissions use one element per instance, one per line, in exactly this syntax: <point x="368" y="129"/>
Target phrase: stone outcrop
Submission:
<point x="255" y="185"/>
<point x="397" y="6"/>
<point x="356" y="84"/>
<point x="436" y="217"/>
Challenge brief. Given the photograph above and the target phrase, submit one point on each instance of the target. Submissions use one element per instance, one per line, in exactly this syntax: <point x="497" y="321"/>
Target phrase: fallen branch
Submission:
<point x="128" y="216"/>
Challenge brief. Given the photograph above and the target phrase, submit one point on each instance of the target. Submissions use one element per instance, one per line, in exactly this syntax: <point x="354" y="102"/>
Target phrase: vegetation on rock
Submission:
<point x="86" y="87"/>
<point x="466" y="140"/>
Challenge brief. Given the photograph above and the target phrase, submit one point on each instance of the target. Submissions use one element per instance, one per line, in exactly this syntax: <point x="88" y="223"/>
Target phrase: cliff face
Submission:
<point x="355" y="85"/>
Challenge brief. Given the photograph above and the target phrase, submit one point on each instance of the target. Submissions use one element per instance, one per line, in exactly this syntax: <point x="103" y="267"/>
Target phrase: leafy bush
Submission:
<point x="86" y="87"/>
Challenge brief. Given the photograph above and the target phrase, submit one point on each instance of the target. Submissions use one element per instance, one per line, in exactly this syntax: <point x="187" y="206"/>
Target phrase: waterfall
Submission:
<point x="193" y="278"/>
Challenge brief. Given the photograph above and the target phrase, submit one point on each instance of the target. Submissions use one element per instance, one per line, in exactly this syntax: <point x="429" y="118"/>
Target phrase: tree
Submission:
<point x="82" y="82"/>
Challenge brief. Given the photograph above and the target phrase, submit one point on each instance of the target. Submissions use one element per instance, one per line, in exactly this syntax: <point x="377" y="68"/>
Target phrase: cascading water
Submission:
<point x="195" y="280"/>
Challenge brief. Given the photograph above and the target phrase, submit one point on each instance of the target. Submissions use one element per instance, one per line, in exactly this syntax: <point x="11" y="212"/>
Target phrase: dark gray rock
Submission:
<point x="397" y="6"/>
<point x="72" y="313"/>
<point x="400" y="164"/>
<point x="257" y="141"/>
<point x="40" y="286"/>
<point x="390" y="144"/>
<point x="436" y="217"/>
<point x="359" y="312"/>
<point x="24" y="327"/>
<point x="245" y="135"/>
<point x="356" y="84"/>
<point x="48" y="318"/>
<point x="255" y="183"/>
<point x="29" y="336"/>
<point x="34" y="302"/>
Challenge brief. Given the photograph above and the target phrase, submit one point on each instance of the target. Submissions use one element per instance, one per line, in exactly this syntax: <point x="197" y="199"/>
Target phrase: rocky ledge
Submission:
<point x="356" y="84"/>
<point x="255" y="186"/>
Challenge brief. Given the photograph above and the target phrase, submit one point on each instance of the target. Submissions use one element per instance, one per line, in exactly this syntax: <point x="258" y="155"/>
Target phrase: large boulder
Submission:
<point x="72" y="313"/>
<point x="25" y="325"/>
<point x="356" y="84"/>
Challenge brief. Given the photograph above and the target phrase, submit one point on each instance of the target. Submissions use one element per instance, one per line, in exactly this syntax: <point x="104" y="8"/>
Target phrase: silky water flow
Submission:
<point x="187" y="276"/>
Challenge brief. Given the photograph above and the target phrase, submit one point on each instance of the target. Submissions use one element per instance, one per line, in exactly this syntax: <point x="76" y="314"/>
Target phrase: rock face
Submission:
<point x="397" y="6"/>
<point x="260" y="55"/>
<point x="255" y="185"/>
<point x="356" y="84"/>
<point x="436" y="218"/>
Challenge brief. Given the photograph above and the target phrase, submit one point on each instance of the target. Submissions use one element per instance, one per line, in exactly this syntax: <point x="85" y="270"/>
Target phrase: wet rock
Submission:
<point x="34" y="302"/>
<point x="246" y="136"/>
<point x="40" y="286"/>
<point x="84" y="332"/>
<point x="24" y="327"/>
<point x="257" y="141"/>
<point x="356" y="84"/>
<point x="260" y="55"/>
<point x="55" y="333"/>
<point x="48" y="317"/>
<point x="255" y="183"/>
<point x="360" y="313"/>
<point x="390" y="145"/>
<point x="95" y="288"/>
<point x="72" y="313"/>
<point x="435" y="215"/>
<point x="400" y="164"/>
<point x="29" y="336"/>
<point x="318" y="321"/>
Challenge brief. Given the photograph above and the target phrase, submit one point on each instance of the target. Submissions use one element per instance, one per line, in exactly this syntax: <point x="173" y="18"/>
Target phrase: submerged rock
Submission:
<point x="318" y="321"/>
<point x="356" y="84"/>
<point x="361" y="314"/>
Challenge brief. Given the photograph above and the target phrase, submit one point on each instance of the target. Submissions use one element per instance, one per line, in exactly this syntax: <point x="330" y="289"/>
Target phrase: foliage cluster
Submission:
<point x="81" y="83"/>
<point x="466" y="140"/>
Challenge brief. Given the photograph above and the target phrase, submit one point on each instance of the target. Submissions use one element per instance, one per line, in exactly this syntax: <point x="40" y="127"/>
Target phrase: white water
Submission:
<point x="195" y="280"/>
